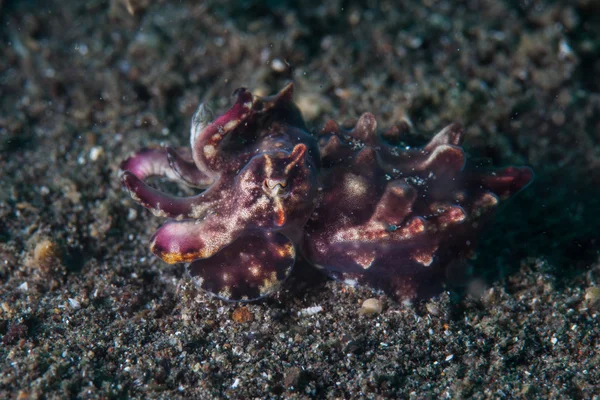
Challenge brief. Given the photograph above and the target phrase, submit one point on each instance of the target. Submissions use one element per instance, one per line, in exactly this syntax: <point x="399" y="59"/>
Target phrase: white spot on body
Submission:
<point x="209" y="150"/>
<point x="355" y="185"/>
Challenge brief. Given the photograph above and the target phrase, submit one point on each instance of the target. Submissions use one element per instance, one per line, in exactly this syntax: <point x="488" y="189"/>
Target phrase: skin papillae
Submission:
<point x="352" y="204"/>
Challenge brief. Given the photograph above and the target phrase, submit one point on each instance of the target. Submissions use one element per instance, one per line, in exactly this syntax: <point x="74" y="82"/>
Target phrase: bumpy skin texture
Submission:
<point x="396" y="219"/>
<point x="361" y="209"/>
<point x="258" y="166"/>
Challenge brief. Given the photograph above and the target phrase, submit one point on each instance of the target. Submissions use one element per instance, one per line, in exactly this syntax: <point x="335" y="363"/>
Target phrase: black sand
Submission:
<point x="87" y="312"/>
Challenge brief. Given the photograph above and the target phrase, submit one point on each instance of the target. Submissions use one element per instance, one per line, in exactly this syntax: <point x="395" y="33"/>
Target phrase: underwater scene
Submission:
<point x="298" y="199"/>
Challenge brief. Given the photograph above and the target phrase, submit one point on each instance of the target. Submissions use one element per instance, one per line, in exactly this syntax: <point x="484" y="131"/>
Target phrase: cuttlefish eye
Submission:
<point x="272" y="184"/>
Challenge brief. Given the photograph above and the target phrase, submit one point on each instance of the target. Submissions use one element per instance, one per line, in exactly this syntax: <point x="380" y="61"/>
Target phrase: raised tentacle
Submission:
<point x="452" y="134"/>
<point x="365" y="129"/>
<point x="207" y="139"/>
<point x="395" y="204"/>
<point x="253" y="266"/>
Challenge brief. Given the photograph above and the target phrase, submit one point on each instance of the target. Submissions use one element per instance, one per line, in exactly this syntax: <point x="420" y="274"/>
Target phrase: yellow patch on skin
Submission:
<point x="280" y="212"/>
<point x="268" y="166"/>
<point x="174" y="254"/>
<point x="286" y="251"/>
<point x="175" y="258"/>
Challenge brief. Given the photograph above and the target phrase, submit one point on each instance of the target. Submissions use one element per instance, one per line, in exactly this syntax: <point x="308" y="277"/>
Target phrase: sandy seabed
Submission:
<point x="86" y="311"/>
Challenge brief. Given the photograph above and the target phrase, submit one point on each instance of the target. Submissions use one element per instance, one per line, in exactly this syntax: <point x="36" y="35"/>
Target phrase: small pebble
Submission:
<point x="46" y="257"/>
<point x="75" y="304"/>
<point x="96" y="152"/>
<point x="44" y="249"/>
<point x="371" y="306"/>
<point x="278" y="65"/>
<point x="432" y="309"/>
<point x="292" y="377"/>
<point x="132" y="214"/>
<point x="242" y="314"/>
<point x="592" y="296"/>
<point x="310" y="311"/>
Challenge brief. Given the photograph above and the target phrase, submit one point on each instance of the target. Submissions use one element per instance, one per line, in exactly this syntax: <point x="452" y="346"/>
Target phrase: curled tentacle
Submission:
<point x="174" y="164"/>
<point x="150" y="162"/>
<point x="165" y="205"/>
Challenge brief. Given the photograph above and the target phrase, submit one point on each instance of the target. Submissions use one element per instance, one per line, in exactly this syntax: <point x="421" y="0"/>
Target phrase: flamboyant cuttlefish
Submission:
<point x="348" y="201"/>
